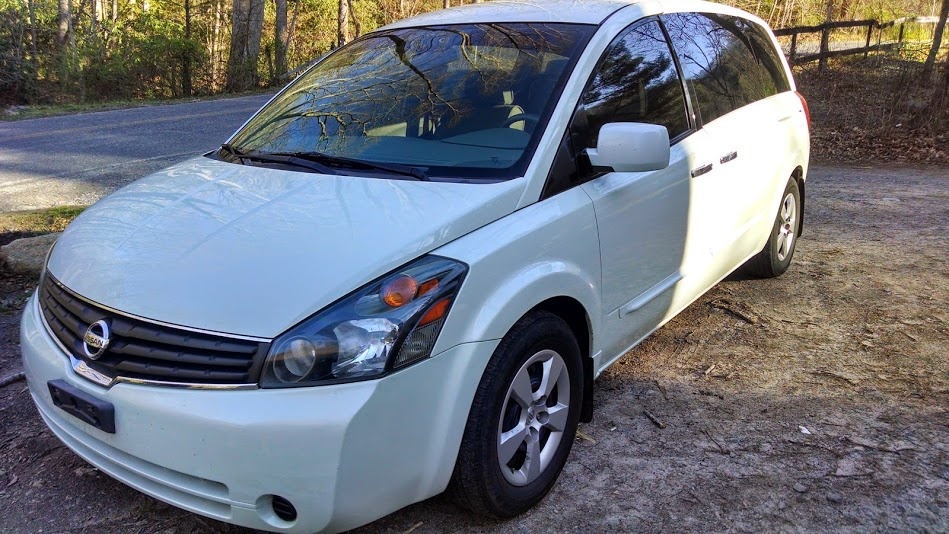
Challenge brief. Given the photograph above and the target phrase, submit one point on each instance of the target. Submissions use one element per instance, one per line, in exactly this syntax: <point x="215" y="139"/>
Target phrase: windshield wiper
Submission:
<point x="233" y="152"/>
<point x="285" y="159"/>
<point x="341" y="161"/>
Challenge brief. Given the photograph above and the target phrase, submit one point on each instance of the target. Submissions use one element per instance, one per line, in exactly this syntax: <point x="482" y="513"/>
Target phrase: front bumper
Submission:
<point x="343" y="455"/>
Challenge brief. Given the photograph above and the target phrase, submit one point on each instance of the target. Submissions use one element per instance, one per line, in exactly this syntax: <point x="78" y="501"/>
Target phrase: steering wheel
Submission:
<point x="526" y="117"/>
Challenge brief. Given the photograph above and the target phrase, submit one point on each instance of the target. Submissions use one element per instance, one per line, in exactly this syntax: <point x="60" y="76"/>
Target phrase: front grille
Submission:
<point x="143" y="350"/>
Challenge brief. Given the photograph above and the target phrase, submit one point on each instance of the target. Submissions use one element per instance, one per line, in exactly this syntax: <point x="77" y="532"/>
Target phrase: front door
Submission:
<point x="643" y="218"/>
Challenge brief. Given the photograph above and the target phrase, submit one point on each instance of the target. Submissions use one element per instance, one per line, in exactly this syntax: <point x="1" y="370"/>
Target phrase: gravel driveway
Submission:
<point x="818" y="401"/>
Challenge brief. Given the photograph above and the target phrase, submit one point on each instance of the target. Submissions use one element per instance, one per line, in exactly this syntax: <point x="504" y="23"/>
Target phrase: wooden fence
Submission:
<point x="824" y="29"/>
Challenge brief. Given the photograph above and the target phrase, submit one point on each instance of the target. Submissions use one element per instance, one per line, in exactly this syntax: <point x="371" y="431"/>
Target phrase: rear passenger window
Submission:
<point x="758" y="40"/>
<point x="728" y="61"/>
<point x="636" y="81"/>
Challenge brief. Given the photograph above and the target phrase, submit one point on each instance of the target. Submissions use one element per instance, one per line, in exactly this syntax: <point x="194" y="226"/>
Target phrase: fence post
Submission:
<point x="866" y="51"/>
<point x="793" y="48"/>
<point x="824" y="41"/>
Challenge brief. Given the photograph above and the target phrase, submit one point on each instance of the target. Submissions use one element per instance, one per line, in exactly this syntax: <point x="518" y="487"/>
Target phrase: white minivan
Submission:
<point x="403" y="274"/>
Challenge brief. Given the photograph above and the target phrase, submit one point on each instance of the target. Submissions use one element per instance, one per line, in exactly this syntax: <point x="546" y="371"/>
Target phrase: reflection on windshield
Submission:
<point x="457" y="100"/>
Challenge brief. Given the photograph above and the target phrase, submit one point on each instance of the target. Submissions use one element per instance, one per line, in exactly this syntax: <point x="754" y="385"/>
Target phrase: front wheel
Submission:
<point x="775" y="258"/>
<point x="523" y="419"/>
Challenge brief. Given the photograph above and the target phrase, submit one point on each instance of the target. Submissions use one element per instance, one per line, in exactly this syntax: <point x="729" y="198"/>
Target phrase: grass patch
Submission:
<point x="17" y="224"/>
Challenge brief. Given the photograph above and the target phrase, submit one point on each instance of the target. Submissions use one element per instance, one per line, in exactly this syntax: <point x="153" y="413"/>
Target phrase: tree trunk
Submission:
<point x="186" y="57"/>
<point x="293" y="25"/>
<point x="937" y="41"/>
<point x="945" y="79"/>
<point x="213" y="43"/>
<point x="825" y="36"/>
<point x="66" y="40"/>
<point x="940" y="98"/>
<point x="356" y="21"/>
<point x="238" y="54"/>
<point x="446" y="4"/>
<point x="247" y="25"/>
<point x="342" y="26"/>
<point x="281" y="40"/>
<point x="65" y="22"/>
<point x="255" y="35"/>
<point x="34" y="57"/>
<point x="115" y="11"/>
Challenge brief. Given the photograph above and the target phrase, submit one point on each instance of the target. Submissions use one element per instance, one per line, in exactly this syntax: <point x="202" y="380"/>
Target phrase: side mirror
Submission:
<point x="631" y="147"/>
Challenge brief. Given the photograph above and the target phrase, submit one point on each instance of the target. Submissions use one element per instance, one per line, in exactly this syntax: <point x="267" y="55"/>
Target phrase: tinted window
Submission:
<point x="728" y="62"/>
<point x="636" y="81"/>
<point x="761" y="46"/>
<point x="457" y="101"/>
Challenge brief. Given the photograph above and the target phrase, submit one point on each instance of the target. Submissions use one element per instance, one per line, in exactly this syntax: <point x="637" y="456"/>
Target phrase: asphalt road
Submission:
<point x="77" y="159"/>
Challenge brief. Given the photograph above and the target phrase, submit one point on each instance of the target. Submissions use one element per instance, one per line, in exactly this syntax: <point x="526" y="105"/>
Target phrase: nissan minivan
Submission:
<point x="404" y="273"/>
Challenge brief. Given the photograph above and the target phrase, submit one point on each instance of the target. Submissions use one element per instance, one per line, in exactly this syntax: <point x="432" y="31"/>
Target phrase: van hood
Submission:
<point x="253" y="251"/>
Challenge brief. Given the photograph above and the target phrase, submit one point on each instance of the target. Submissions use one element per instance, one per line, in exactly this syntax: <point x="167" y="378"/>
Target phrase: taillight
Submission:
<point x="807" y="110"/>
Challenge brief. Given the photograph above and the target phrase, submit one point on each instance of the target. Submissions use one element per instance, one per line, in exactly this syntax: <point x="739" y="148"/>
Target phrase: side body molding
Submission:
<point x="650" y="294"/>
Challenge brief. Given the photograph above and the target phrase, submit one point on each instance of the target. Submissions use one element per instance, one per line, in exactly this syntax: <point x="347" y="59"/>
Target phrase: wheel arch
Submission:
<point x="575" y="315"/>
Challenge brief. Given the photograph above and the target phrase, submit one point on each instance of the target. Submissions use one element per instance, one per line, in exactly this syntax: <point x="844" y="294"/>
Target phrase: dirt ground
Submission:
<point x="818" y="401"/>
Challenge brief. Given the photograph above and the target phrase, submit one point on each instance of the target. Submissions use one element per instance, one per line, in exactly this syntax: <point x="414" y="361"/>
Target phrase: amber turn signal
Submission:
<point x="436" y="312"/>
<point x="427" y="286"/>
<point x="399" y="291"/>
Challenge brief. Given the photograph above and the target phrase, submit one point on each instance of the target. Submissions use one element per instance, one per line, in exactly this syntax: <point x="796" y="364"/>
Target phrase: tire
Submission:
<point x="529" y="356"/>
<point x="776" y="256"/>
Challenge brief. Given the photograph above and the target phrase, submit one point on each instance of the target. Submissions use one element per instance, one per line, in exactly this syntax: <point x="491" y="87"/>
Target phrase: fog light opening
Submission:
<point x="283" y="509"/>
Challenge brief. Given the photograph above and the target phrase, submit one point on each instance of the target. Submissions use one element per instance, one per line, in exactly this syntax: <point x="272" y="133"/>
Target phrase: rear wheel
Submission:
<point x="523" y="419"/>
<point x="776" y="256"/>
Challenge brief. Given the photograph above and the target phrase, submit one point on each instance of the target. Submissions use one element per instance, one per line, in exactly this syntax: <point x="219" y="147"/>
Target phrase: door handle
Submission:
<point x="728" y="157"/>
<point x="701" y="170"/>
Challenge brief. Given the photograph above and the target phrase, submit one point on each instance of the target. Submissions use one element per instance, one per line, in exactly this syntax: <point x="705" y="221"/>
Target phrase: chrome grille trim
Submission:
<point x="170" y="373"/>
<point x="127" y="315"/>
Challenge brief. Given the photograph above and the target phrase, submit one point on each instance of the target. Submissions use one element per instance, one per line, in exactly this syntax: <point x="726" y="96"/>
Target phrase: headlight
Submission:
<point x="386" y="325"/>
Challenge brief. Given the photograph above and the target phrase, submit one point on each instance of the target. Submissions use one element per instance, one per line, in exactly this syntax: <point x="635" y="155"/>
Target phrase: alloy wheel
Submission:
<point x="533" y="417"/>
<point x="788" y="225"/>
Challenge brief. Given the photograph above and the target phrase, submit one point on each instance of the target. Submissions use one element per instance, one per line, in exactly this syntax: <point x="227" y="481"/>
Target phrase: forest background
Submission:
<point x="73" y="54"/>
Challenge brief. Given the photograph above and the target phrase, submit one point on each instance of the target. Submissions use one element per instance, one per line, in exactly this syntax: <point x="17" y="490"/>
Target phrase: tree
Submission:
<point x="342" y="23"/>
<point x="825" y="35"/>
<point x="34" y="56"/>
<point x="937" y="41"/>
<point x="65" y="22"/>
<point x="281" y="39"/>
<point x="941" y="94"/>
<point x="66" y="40"/>
<point x="247" y="27"/>
<point x="186" y="86"/>
<point x="356" y="22"/>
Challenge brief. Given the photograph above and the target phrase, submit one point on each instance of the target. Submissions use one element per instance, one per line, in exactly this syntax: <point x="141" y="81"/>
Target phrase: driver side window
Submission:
<point x="636" y="81"/>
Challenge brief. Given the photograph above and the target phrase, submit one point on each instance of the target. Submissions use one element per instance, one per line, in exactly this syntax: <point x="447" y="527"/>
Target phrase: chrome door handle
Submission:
<point x="728" y="157"/>
<point x="701" y="170"/>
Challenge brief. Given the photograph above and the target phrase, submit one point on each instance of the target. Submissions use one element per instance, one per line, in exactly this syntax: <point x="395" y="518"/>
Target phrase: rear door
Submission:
<point x="733" y="72"/>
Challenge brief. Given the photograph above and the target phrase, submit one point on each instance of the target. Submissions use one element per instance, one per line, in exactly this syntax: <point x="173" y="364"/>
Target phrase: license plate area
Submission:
<point x="83" y="406"/>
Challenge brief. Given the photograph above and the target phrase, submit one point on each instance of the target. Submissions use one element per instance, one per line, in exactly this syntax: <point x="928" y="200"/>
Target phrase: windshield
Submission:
<point x="454" y="101"/>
